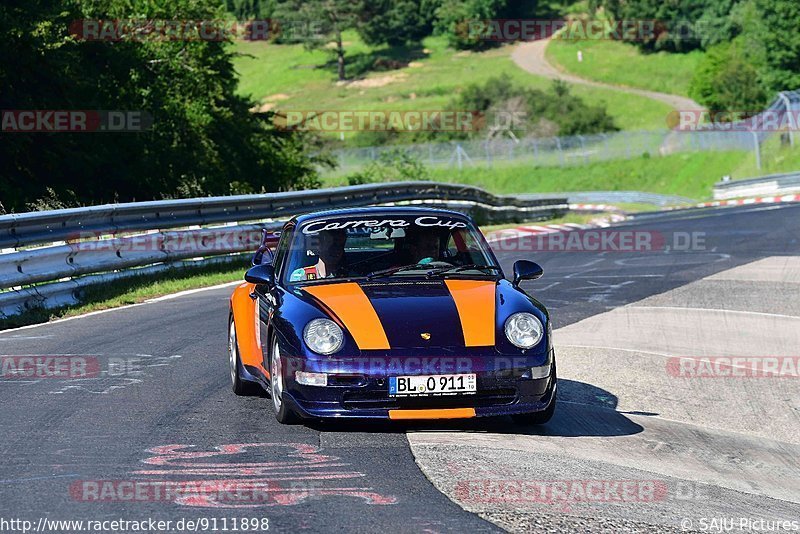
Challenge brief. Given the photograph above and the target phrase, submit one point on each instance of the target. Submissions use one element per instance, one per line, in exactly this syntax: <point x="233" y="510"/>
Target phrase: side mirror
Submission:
<point x="263" y="257"/>
<point x="264" y="254"/>
<point x="526" y="270"/>
<point x="262" y="275"/>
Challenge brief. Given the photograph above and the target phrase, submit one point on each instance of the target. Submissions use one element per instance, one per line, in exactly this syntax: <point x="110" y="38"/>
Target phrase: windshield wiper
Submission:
<point x="392" y="270"/>
<point x="460" y="268"/>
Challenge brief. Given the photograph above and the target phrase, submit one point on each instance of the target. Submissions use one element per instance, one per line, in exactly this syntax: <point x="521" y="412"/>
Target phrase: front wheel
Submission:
<point x="283" y="413"/>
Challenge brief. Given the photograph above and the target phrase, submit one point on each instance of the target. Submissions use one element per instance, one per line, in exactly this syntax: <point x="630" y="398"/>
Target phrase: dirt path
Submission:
<point x="530" y="56"/>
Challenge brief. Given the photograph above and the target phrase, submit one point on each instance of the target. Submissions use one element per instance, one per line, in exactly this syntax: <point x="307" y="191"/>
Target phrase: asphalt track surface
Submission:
<point x="60" y="436"/>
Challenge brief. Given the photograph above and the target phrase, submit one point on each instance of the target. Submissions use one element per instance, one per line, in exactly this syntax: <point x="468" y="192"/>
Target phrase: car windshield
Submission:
<point x="376" y="246"/>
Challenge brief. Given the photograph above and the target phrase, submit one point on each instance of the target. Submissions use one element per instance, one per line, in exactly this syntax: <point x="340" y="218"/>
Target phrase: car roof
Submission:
<point x="377" y="211"/>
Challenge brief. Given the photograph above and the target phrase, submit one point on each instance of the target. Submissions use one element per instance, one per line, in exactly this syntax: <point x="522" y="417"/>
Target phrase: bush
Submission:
<point x="529" y="111"/>
<point x="727" y="80"/>
<point x="391" y="166"/>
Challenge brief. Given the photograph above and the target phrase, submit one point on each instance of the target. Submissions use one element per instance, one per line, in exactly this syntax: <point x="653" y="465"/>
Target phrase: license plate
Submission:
<point x="415" y="386"/>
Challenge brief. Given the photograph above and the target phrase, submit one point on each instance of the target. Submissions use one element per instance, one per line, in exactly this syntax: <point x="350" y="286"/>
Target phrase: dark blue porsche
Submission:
<point x="390" y="313"/>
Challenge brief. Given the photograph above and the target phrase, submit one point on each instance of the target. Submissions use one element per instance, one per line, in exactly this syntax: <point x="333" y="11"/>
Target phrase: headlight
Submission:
<point x="323" y="336"/>
<point x="524" y="330"/>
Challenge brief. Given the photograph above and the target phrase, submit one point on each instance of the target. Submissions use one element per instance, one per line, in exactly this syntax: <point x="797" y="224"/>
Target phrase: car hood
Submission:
<point x="383" y="315"/>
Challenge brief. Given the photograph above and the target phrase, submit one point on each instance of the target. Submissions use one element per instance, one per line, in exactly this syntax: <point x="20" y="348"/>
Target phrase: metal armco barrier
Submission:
<point x="50" y="226"/>
<point x="774" y="184"/>
<point x="73" y="246"/>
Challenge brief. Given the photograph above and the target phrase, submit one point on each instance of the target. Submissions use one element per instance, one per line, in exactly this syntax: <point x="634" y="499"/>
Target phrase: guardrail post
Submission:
<point x="788" y="103"/>
<point x="627" y="145"/>
<point x="757" y="148"/>
<point x="583" y="149"/>
<point x="560" y="152"/>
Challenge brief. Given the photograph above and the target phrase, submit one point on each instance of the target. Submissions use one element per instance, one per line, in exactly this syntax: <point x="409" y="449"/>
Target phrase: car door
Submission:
<point x="268" y="300"/>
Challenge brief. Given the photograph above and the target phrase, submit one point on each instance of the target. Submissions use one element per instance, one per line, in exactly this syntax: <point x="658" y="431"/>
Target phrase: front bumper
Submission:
<point x="366" y="396"/>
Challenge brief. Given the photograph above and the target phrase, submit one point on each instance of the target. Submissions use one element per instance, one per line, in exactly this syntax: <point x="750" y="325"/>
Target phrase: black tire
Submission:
<point x="283" y="413"/>
<point x="243" y="388"/>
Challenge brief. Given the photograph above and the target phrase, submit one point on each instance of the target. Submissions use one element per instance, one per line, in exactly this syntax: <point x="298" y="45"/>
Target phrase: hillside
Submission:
<point x="289" y="77"/>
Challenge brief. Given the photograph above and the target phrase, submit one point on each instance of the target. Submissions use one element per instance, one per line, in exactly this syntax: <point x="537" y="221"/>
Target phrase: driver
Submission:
<point x="328" y="246"/>
<point x="423" y="245"/>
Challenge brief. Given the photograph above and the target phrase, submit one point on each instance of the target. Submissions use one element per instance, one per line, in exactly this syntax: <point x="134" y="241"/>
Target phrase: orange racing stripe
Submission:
<point x="348" y="301"/>
<point x="475" y="302"/>
<point x="445" y="413"/>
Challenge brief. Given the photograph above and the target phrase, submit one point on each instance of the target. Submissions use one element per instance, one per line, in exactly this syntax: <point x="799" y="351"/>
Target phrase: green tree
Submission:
<point x="780" y="39"/>
<point x="719" y="23"/>
<point x="456" y="19"/>
<point x="251" y="9"/>
<point x="397" y="22"/>
<point x="676" y="21"/>
<point x="762" y="60"/>
<point x="727" y="80"/>
<point x="203" y="136"/>
<point x="328" y="17"/>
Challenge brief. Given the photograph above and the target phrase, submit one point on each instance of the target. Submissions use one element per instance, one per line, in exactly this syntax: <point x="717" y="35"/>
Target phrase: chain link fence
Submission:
<point x="587" y="149"/>
<point x="553" y="151"/>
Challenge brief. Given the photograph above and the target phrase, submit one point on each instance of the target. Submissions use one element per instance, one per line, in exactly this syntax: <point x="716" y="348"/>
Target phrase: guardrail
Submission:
<point x="74" y="248"/>
<point x="49" y="226"/>
<point x="774" y="184"/>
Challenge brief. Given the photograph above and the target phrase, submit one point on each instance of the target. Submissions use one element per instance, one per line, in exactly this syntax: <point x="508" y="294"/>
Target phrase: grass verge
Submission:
<point x="623" y="64"/>
<point x="132" y="291"/>
<point x="689" y="174"/>
<point x="775" y="158"/>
